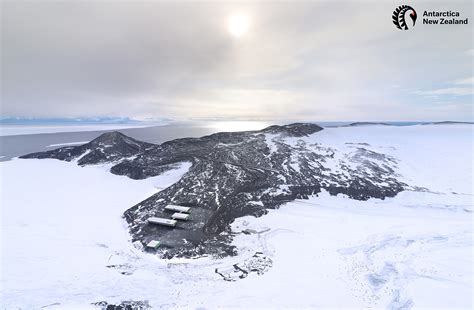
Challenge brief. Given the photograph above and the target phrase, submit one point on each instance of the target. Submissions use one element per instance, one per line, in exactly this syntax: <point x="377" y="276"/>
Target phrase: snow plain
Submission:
<point x="62" y="227"/>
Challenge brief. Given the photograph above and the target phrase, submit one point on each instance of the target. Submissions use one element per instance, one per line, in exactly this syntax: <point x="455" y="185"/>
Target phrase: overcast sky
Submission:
<point x="321" y="60"/>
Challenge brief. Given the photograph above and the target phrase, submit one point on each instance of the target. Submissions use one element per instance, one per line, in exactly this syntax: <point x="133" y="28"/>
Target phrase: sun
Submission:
<point x="238" y="24"/>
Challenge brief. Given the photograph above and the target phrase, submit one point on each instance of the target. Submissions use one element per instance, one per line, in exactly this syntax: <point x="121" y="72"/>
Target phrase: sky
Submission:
<point x="314" y="60"/>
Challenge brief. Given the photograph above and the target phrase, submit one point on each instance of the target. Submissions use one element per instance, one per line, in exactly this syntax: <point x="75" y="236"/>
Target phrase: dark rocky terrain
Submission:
<point x="232" y="175"/>
<point x="124" y="305"/>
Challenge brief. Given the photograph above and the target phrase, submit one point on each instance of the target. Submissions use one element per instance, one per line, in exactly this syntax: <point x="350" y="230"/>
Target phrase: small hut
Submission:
<point x="153" y="244"/>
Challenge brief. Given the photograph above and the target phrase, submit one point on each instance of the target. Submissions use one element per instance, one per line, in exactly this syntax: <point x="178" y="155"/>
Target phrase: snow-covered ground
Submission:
<point x="64" y="243"/>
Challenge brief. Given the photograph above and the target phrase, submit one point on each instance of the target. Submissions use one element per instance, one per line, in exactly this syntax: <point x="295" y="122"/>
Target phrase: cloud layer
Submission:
<point x="299" y="60"/>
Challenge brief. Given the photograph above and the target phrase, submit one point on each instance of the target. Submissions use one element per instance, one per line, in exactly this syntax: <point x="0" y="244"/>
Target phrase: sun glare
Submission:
<point x="238" y="24"/>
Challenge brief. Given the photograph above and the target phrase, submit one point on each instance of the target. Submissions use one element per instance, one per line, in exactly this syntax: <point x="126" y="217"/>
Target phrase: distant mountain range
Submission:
<point x="449" y="123"/>
<point x="356" y="124"/>
<point x="6" y="120"/>
<point x="76" y="121"/>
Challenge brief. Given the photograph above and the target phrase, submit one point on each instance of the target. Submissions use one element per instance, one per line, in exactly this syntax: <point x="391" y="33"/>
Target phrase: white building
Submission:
<point x="161" y="221"/>
<point x="177" y="208"/>
<point x="153" y="244"/>
<point x="180" y="216"/>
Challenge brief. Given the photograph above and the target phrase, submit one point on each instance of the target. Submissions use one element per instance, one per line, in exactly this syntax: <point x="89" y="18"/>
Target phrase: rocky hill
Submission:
<point x="232" y="175"/>
<point x="108" y="147"/>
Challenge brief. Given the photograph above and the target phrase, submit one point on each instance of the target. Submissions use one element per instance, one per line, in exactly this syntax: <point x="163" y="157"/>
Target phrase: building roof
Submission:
<point x="153" y="244"/>
<point x="177" y="208"/>
<point x="180" y="216"/>
<point x="162" y="221"/>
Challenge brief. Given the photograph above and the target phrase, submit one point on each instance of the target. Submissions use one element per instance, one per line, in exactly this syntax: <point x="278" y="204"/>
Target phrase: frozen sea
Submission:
<point x="61" y="230"/>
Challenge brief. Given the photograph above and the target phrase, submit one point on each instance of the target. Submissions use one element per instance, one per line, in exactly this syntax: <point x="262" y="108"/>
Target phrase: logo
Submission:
<point x="398" y="16"/>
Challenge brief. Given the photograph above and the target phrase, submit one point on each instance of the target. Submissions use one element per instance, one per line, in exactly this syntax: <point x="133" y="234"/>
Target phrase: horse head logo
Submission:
<point x="398" y="16"/>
